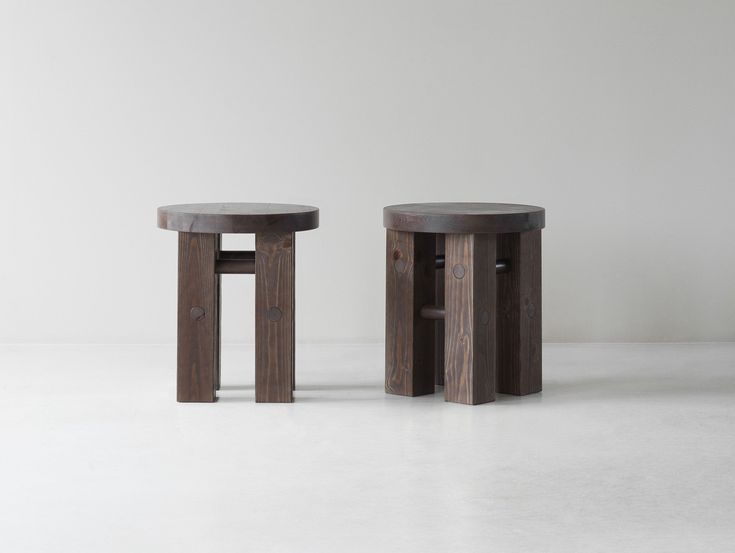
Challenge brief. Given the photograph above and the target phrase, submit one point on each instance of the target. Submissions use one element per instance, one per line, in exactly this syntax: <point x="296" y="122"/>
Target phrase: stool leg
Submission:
<point x="469" y="324"/>
<point x="218" y="320"/>
<point x="439" y="324"/>
<point x="274" y="317"/>
<point x="519" y="308"/>
<point x="409" y="346"/>
<point x="198" y="318"/>
<point x="293" y="317"/>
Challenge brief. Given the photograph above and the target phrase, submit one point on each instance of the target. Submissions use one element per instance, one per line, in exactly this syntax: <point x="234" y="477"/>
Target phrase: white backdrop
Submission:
<point x="618" y="117"/>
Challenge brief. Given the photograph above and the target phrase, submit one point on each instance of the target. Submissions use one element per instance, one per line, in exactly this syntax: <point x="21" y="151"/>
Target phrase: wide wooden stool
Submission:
<point x="201" y="262"/>
<point x="463" y="300"/>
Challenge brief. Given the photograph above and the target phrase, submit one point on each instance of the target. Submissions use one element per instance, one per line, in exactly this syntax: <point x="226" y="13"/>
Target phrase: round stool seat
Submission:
<point x="237" y="217"/>
<point x="463" y="218"/>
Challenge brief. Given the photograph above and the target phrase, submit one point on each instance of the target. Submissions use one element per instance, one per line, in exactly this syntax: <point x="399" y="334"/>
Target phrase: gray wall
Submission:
<point x="618" y="117"/>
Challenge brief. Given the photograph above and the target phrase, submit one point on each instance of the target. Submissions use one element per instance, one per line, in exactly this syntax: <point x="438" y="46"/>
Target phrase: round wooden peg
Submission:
<point x="197" y="313"/>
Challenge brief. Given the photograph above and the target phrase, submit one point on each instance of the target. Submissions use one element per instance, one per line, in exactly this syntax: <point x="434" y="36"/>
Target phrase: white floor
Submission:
<point x="629" y="448"/>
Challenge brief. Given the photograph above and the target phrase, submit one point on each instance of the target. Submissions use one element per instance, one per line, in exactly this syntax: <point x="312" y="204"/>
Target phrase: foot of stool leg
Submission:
<point x="198" y="319"/>
<point x="519" y="314"/>
<point x="409" y="339"/>
<point x="469" y="324"/>
<point x="274" y="317"/>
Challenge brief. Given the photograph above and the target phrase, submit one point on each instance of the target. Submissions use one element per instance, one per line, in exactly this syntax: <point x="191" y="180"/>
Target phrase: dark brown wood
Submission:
<point x="218" y="321"/>
<point x="501" y="265"/>
<point x="201" y="262"/>
<point x="463" y="217"/>
<point x="293" y="316"/>
<point x="238" y="217"/>
<point x="236" y="255"/>
<point x="439" y="323"/>
<point x="235" y="267"/>
<point x="433" y="312"/>
<point x="409" y="347"/>
<point x="235" y="262"/>
<point x="198" y="318"/>
<point x="274" y="317"/>
<point x="469" y="323"/>
<point x="519" y="314"/>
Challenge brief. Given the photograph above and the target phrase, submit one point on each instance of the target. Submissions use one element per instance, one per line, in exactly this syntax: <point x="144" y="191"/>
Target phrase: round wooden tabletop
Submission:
<point x="463" y="218"/>
<point x="237" y="217"/>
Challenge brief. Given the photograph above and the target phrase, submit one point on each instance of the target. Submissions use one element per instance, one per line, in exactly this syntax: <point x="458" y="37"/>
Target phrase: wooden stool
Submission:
<point x="201" y="262"/>
<point x="452" y="269"/>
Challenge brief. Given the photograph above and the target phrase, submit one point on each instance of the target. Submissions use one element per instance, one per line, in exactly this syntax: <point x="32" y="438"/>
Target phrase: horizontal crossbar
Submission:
<point x="501" y="265"/>
<point x="433" y="312"/>
<point x="235" y="263"/>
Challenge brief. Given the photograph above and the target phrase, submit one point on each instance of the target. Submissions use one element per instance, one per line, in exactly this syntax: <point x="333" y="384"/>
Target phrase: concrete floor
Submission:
<point x="629" y="448"/>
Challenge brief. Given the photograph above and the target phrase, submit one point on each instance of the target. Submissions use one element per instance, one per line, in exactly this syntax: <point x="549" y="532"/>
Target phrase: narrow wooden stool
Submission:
<point x="201" y="262"/>
<point x="463" y="300"/>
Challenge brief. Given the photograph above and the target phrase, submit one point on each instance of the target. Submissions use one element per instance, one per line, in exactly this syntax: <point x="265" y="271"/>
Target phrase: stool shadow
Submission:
<point x="236" y="399"/>
<point x="345" y="387"/>
<point x="250" y="398"/>
<point x="308" y="387"/>
<point x="555" y="390"/>
<point x="638" y="386"/>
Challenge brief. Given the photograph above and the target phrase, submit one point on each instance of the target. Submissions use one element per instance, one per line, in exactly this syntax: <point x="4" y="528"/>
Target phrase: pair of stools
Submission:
<point x="463" y="296"/>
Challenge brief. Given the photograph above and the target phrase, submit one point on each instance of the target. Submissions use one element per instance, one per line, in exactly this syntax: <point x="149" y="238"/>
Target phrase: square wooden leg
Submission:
<point x="439" y="324"/>
<point x="519" y="312"/>
<point x="218" y="321"/>
<point x="293" y="317"/>
<point x="274" y="317"/>
<point x="409" y="339"/>
<point x="469" y="324"/>
<point x="198" y="318"/>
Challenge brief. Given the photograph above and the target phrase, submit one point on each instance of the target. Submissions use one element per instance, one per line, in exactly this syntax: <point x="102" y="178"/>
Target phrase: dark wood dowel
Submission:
<point x="235" y="263"/>
<point x="501" y="265"/>
<point x="234" y="267"/>
<point x="433" y="312"/>
<point x="237" y="255"/>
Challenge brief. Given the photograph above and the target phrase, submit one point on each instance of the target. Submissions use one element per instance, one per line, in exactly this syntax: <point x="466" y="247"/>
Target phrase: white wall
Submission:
<point x="618" y="117"/>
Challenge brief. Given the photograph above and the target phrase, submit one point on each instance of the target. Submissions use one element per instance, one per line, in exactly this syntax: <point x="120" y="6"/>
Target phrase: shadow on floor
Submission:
<point x="566" y="389"/>
<point x="344" y="387"/>
<point x="609" y="386"/>
<point x="310" y="388"/>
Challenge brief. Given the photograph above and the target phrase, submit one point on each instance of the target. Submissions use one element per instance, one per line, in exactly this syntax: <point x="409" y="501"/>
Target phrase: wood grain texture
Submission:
<point x="469" y="324"/>
<point x="463" y="217"/>
<point x="238" y="217"/>
<point x="409" y="339"/>
<point x="198" y="318"/>
<point x="519" y="313"/>
<point x="439" y="324"/>
<point x="274" y="317"/>
<point x="293" y="315"/>
<point x="218" y="319"/>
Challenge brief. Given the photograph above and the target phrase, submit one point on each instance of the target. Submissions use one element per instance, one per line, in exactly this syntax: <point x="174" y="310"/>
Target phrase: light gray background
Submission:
<point x="618" y="117"/>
